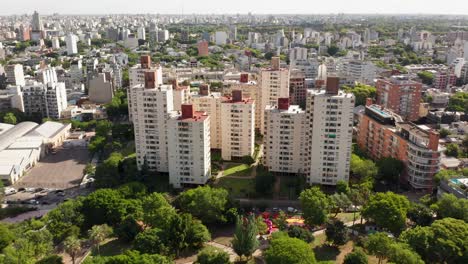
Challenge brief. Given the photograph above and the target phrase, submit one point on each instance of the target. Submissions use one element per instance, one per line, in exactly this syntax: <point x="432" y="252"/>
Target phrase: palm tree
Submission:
<point x="98" y="233"/>
<point x="72" y="246"/>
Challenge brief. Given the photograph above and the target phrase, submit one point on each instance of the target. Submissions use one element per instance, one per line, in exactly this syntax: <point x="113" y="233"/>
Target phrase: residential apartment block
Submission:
<point x="274" y="83"/>
<point x="401" y="95"/>
<point x="152" y="106"/>
<point x="284" y="138"/>
<point x="329" y="129"/>
<point x="237" y="126"/>
<point x="44" y="100"/>
<point x="189" y="148"/>
<point x="383" y="133"/>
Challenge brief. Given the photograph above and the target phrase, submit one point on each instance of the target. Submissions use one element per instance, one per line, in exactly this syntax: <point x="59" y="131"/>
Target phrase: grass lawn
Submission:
<point x="237" y="170"/>
<point x="347" y="217"/>
<point x="238" y="188"/>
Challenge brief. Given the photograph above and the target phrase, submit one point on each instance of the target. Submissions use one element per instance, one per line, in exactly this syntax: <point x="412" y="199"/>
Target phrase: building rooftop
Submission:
<point x="198" y="116"/>
<point x="293" y="109"/>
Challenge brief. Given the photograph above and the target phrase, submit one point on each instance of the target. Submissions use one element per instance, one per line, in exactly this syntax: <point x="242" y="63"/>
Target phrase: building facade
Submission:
<point x="401" y="95"/>
<point x="189" y="148"/>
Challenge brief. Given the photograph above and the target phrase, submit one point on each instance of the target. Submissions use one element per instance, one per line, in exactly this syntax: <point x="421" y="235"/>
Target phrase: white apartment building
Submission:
<point x="71" y="41"/>
<point x="189" y="148"/>
<point x="137" y="77"/>
<point x="141" y="33"/>
<point x="11" y="97"/>
<point x="15" y="74"/>
<point x="358" y="71"/>
<point x="237" y="126"/>
<point x="47" y="75"/>
<point x="152" y="106"/>
<point x="181" y="96"/>
<point x="55" y="43"/>
<point x="101" y="88"/>
<point x="250" y="89"/>
<point x="274" y="83"/>
<point x="45" y="100"/>
<point x="210" y="103"/>
<point x="221" y="37"/>
<point x="329" y="131"/>
<point x="284" y="138"/>
<point x="297" y="53"/>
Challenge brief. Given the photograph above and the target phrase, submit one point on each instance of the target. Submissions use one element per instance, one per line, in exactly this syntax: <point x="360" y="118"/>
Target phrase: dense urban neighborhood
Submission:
<point x="236" y="138"/>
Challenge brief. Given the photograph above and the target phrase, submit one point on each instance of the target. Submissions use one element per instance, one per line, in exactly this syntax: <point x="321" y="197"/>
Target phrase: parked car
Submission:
<point x="9" y="191"/>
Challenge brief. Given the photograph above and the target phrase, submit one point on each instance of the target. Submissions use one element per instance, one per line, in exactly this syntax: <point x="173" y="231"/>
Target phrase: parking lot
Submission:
<point x="62" y="170"/>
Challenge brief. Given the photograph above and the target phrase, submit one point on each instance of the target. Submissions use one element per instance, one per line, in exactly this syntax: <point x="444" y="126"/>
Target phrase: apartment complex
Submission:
<point x="383" y="133"/>
<point x="237" y="126"/>
<point x="329" y="129"/>
<point x="274" y="83"/>
<point x="297" y="88"/>
<point x="189" y="148"/>
<point x="284" y="138"/>
<point x="401" y="95"/>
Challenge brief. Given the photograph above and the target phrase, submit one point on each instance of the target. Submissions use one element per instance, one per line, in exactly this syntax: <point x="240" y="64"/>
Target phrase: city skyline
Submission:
<point x="241" y="6"/>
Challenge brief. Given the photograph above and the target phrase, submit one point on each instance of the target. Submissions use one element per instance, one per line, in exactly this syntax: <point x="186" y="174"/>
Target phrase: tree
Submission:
<point x="264" y="182"/>
<point x="359" y="196"/>
<point x="426" y="77"/>
<point x="358" y="256"/>
<point x="301" y="233"/>
<point x="157" y="212"/>
<point x="108" y="173"/>
<point x="458" y="102"/>
<point x="21" y="251"/>
<point x="452" y="150"/>
<point x="151" y="241"/>
<point x="205" y="203"/>
<point x="339" y="202"/>
<point x="98" y="233"/>
<point x="420" y="214"/>
<point x="130" y="257"/>
<point x="106" y="206"/>
<point x="128" y="229"/>
<point x="332" y="50"/>
<point x="52" y="259"/>
<point x="245" y="240"/>
<point x="281" y="221"/>
<point x="211" y="255"/>
<point x="388" y="210"/>
<point x="342" y="187"/>
<point x="336" y="232"/>
<point x="444" y="132"/>
<point x="9" y="118"/>
<point x="442" y="242"/>
<point x="378" y="244"/>
<point x="289" y="250"/>
<point x="390" y="169"/>
<point x="402" y="254"/>
<point x="314" y="206"/>
<point x="361" y="93"/>
<point x="41" y="242"/>
<point x="72" y="246"/>
<point x="363" y="167"/>
<point x="65" y="220"/>
<point x="261" y="225"/>
<point x="451" y="206"/>
<point x="6" y="236"/>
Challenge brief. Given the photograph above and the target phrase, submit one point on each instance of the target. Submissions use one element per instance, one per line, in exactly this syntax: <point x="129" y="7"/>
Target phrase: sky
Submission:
<point x="9" y="7"/>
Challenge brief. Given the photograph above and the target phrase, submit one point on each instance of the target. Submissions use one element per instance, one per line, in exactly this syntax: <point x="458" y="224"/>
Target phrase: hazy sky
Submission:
<point x="8" y="7"/>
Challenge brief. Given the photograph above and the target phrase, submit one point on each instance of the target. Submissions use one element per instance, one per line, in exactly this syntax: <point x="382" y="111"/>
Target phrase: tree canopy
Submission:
<point x="314" y="206"/>
<point x="388" y="210"/>
<point x="289" y="250"/>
